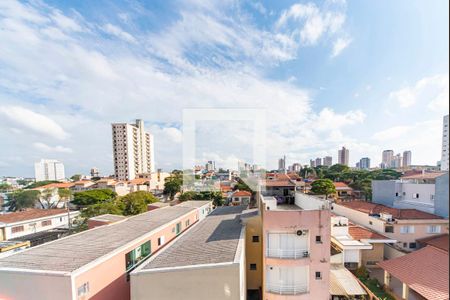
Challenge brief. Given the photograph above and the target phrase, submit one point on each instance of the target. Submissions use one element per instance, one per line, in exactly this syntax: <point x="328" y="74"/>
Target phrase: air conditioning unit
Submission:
<point x="302" y="232"/>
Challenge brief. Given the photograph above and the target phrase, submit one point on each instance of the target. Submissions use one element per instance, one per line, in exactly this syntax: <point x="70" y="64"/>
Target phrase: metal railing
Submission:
<point x="282" y="289"/>
<point x="287" y="253"/>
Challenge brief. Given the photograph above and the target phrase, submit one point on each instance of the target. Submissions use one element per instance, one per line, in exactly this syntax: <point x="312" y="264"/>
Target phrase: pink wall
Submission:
<point x="318" y="223"/>
<point x="108" y="280"/>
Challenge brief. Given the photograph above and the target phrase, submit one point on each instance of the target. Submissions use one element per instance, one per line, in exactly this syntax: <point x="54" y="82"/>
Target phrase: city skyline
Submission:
<point x="329" y="91"/>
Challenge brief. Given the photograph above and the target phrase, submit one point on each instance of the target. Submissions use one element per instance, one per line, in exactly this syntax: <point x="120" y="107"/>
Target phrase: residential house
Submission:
<point x="208" y="262"/>
<point x="405" y="226"/>
<point x="422" y="274"/>
<point x="240" y="198"/>
<point x="94" y="264"/>
<point x="343" y="191"/>
<point x="23" y="223"/>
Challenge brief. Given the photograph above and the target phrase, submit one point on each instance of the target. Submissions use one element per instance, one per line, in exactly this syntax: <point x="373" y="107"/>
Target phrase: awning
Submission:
<point x="344" y="283"/>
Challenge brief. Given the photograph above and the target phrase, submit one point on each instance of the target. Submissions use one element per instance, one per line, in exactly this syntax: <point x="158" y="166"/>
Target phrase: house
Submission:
<point x="428" y="192"/>
<point x="82" y="185"/>
<point x="240" y="198"/>
<point x="296" y="248"/>
<point x="23" y="223"/>
<point x="280" y="186"/>
<point x="94" y="264"/>
<point x="343" y="191"/>
<point x="422" y="274"/>
<point x="209" y="264"/>
<point x="405" y="226"/>
<point x="49" y="197"/>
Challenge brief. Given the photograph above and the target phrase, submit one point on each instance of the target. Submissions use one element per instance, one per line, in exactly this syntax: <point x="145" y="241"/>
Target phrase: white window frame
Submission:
<point x="407" y="229"/>
<point x="434" y="229"/>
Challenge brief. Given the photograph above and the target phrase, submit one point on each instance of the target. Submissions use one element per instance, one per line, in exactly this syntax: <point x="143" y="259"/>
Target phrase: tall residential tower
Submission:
<point x="344" y="156"/>
<point x="49" y="169"/>
<point x="445" y="153"/>
<point x="132" y="150"/>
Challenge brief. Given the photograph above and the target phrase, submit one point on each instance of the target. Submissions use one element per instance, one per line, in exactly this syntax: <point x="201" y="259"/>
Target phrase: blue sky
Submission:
<point x="370" y="75"/>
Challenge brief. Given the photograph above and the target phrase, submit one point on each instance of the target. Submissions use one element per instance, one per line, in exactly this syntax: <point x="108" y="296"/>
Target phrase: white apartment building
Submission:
<point x="49" y="169"/>
<point x="132" y="150"/>
<point x="344" y="156"/>
<point x="388" y="156"/>
<point x="407" y="158"/>
<point x="445" y="153"/>
<point x="328" y="161"/>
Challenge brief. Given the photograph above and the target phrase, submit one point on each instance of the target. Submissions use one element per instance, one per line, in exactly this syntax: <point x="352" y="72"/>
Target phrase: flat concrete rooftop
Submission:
<point x="214" y="240"/>
<point x="75" y="251"/>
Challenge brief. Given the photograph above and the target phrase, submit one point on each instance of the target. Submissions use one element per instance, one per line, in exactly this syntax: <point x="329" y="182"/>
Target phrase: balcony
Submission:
<point x="287" y="253"/>
<point x="282" y="289"/>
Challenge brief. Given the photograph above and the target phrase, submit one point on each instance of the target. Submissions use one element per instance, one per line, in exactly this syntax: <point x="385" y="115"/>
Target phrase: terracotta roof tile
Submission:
<point x="341" y="185"/>
<point x="29" y="214"/>
<point x="242" y="194"/>
<point x="438" y="241"/>
<point x="426" y="271"/>
<point x="361" y="233"/>
<point x="61" y="185"/>
<point x="400" y="214"/>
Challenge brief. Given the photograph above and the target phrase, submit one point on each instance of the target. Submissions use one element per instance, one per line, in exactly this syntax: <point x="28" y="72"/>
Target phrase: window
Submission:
<point x="434" y="229"/>
<point x="83" y="290"/>
<point x="412" y="245"/>
<point x="318" y="275"/>
<point x="137" y="255"/>
<point x="188" y="222"/>
<point x="416" y="196"/>
<point x="370" y="223"/>
<point x="252" y="267"/>
<point x="161" y="241"/>
<point x="389" y="229"/>
<point x="46" y="223"/>
<point x="407" y="229"/>
<point x="397" y="194"/>
<point x="17" y="229"/>
<point x="318" y="239"/>
<point x="255" y="239"/>
<point x="405" y="245"/>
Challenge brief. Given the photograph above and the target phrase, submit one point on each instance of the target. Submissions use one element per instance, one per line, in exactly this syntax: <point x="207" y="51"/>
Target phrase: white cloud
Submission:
<point x="118" y="32"/>
<point x="339" y="45"/>
<point x="432" y="92"/>
<point x="392" y="133"/>
<point x="33" y="121"/>
<point x="46" y="148"/>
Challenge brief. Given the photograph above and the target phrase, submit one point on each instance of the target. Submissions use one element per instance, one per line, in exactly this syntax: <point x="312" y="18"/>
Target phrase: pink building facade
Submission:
<point x="296" y="246"/>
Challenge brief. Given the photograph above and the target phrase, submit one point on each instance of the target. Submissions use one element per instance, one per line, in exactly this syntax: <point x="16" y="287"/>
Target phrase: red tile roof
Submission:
<point x="400" y="214"/>
<point x="139" y="181"/>
<point x="61" y="185"/>
<point x="428" y="175"/>
<point x="426" y="271"/>
<point x="341" y="185"/>
<point x="29" y="214"/>
<point x="242" y="194"/>
<point x="361" y="233"/>
<point x="438" y="241"/>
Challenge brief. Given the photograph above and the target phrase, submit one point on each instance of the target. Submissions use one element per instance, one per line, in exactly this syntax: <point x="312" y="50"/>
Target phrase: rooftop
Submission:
<point x="400" y="214"/>
<point x="58" y="185"/>
<point x="108" y="218"/>
<point x="361" y="233"/>
<point x="214" y="240"/>
<point x="341" y="185"/>
<point x="242" y="194"/>
<point x="426" y="175"/>
<point x="426" y="271"/>
<point x="80" y="249"/>
<point x="194" y="203"/>
<point x="29" y="214"/>
<point x="439" y="241"/>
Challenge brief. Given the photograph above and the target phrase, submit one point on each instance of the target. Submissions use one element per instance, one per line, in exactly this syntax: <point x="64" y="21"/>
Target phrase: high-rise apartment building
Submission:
<point x="445" y="153"/>
<point x="282" y="164"/>
<point x="328" y="161"/>
<point x="407" y="158"/>
<point x="318" y="162"/>
<point x="397" y="161"/>
<point x="344" y="156"/>
<point x="386" y="161"/>
<point x="49" y="169"/>
<point x="364" y="163"/>
<point x="312" y="163"/>
<point x="132" y="150"/>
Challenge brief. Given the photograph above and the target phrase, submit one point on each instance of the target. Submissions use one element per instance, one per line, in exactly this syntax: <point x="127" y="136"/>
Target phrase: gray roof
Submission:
<point x="73" y="252"/>
<point x="194" y="203"/>
<point x="108" y="218"/>
<point x="214" y="240"/>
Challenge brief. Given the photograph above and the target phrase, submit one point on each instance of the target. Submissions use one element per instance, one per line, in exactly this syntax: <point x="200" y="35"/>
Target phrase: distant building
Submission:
<point x="445" y="148"/>
<point x="397" y="162"/>
<point x="427" y="191"/>
<point x="132" y="150"/>
<point x="282" y="164"/>
<point x="387" y="157"/>
<point x="210" y="166"/>
<point x="407" y="159"/>
<point x="364" y="163"/>
<point x="318" y="162"/>
<point x="328" y="161"/>
<point x="296" y="167"/>
<point x="95" y="172"/>
<point x="49" y="169"/>
<point x="344" y="156"/>
<point x="312" y="163"/>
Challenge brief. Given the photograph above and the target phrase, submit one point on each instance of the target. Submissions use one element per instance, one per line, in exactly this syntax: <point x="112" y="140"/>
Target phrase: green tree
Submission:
<point x="323" y="187"/>
<point x="93" y="197"/>
<point x="337" y="168"/>
<point x="40" y="183"/>
<point x="20" y="200"/>
<point x="46" y="198"/>
<point x="172" y="186"/>
<point x="65" y="195"/>
<point x="136" y="202"/>
<point x="76" y="177"/>
<point x="365" y="186"/>
<point x="5" y="187"/>
<point x="307" y="172"/>
<point x="109" y="207"/>
<point x="187" y="196"/>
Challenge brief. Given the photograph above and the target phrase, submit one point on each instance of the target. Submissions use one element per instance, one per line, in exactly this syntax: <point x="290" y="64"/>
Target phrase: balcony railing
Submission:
<point x="288" y="253"/>
<point x="282" y="289"/>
